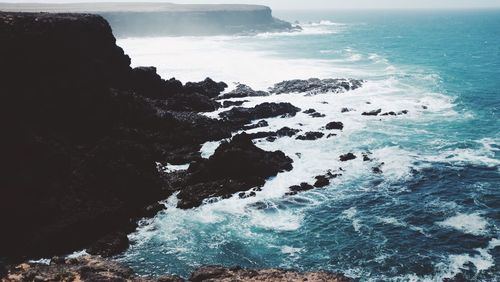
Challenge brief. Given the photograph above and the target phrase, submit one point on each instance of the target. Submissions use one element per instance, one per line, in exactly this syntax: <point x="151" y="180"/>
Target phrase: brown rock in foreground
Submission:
<point x="93" y="268"/>
<point x="222" y="274"/>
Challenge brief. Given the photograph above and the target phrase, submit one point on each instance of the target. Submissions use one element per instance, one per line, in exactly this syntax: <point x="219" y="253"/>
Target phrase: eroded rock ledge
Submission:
<point x="91" y="268"/>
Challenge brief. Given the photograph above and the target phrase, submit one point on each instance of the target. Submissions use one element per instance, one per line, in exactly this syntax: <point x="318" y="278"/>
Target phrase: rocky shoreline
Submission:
<point x="89" y="137"/>
<point x="89" y="268"/>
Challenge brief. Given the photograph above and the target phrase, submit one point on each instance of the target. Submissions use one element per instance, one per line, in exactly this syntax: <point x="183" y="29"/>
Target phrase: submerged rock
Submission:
<point x="316" y="86"/>
<point x="242" y="91"/>
<point x="372" y="113"/>
<point x="347" y="157"/>
<point x="222" y="274"/>
<point x="311" y="135"/>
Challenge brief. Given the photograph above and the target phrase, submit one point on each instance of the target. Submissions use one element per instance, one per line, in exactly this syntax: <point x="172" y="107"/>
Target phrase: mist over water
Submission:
<point x="432" y="213"/>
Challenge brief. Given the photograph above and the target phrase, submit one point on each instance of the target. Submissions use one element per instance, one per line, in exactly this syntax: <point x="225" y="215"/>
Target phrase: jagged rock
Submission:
<point x="264" y="110"/>
<point x="335" y="125"/>
<point x="227" y="104"/>
<point x="262" y="123"/>
<point x="347" y="157"/>
<point x="316" y="86"/>
<point x="242" y="91"/>
<point x="313" y="113"/>
<point x="192" y="102"/>
<point x="311" y="135"/>
<point x="372" y="113"/>
<point x="331" y="135"/>
<point x="295" y="189"/>
<point x="321" y="181"/>
<point x="146" y="81"/>
<point x="235" y="166"/>
<point x="366" y="158"/>
<point x="345" y="110"/>
<point x="389" y="114"/>
<point x="286" y="131"/>
<point x="282" y="132"/>
<point x="207" y="87"/>
<point x="221" y="274"/>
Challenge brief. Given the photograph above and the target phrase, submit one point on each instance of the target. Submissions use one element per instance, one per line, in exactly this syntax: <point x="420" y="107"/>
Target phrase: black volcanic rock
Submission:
<point x="311" y="135"/>
<point x="207" y="87"/>
<point x="264" y="110"/>
<point x="314" y="86"/>
<point x="282" y="132"/>
<point x="242" y="91"/>
<point x="235" y="166"/>
<point x="321" y="181"/>
<point x="372" y="113"/>
<point x="347" y="157"/>
<point x="261" y="123"/>
<point x="84" y="134"/>
<point x="335" y="125"/>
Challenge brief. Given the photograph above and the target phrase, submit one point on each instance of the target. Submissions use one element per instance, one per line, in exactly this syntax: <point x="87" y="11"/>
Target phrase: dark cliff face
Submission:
<point x="82" y="132"/>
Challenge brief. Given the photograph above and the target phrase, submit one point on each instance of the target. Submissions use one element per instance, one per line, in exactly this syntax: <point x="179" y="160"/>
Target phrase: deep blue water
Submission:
<point x="433" y="213"/>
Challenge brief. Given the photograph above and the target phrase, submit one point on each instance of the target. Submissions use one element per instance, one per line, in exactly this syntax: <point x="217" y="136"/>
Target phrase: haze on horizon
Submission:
<point x="318" y="4"/>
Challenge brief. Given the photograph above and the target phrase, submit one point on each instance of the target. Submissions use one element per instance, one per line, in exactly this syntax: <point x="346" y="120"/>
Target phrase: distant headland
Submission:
<point x="168" y="19"/>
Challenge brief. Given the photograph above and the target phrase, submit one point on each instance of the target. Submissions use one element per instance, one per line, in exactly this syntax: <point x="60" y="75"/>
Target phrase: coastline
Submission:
<point x="90" y="133"/>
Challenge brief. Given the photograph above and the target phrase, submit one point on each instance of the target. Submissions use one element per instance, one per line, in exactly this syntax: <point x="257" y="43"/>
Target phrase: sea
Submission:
<point x="432" y="211"/>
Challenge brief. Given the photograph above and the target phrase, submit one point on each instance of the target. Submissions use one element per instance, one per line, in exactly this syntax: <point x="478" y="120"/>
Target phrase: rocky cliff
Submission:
<point x="86" y="138"/>
<point x="162" y="19"/>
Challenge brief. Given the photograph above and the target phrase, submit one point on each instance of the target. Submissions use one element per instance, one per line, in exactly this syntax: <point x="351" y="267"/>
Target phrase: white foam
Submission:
<point x="468" y="223"/>
<point x="350" y="214"/>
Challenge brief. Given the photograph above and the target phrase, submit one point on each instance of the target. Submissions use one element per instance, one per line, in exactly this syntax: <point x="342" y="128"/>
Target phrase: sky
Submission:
<point x="321" y="4"/>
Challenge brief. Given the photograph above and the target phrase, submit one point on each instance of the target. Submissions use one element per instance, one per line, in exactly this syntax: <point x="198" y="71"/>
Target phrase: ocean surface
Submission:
<point x="433" y="212"/>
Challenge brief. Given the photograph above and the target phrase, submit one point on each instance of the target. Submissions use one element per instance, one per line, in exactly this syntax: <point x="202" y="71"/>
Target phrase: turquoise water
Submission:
<point x="433" y="213"/>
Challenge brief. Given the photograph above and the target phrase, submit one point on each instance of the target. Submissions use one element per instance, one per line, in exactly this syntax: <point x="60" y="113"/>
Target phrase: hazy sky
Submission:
<point x="324" y="4"/>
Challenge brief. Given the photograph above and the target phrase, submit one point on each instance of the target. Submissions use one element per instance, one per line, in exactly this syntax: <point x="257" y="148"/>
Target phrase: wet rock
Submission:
<point x="222" y="274"/>
<point x="346" y="110"/>
<point x="227" y="104"/>
<point x="316" y="86"/>
<point x="262" y="123"/>
<point x="241" y="91"/>
<point x="335" y="125"/>
<point x="207" y="87"/>
<point x="282" y="132"/>
<point x="321" y="181"/>
<point x="313" y="113"/>
<point x="378" y="169"/>
<point x="331" y="135"/>
<point x="403" y="112"/>
<point x="347" y="157"/>
<point x="366" y="157"/>
<point x="389" y="114"/>
<point x="299" y="188"/>
<point x="265" y="110"/>
<point x="372" y="113"/>
<point x="311" y="135"/>
<point x="235" y="166"/>
<point x="109" y="245"/>
<point x="287" y="131"/>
